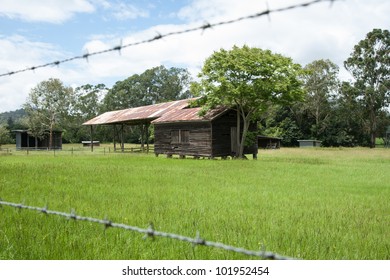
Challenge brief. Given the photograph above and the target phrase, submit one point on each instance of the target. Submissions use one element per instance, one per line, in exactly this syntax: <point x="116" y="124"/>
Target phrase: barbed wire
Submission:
<point x="150" y="232"/>
<point x="159" y="36"/>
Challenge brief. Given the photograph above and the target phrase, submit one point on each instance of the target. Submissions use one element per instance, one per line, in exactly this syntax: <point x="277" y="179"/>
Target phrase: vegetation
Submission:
<point x="155" y="85"/>
<point x="249" y="80"/>
<point x="304" y="203"/>
<point x="369" y="64"/>
<point x="4" y="135"/>
<point x="48" y="107"/>
<point x="339" y="113"/>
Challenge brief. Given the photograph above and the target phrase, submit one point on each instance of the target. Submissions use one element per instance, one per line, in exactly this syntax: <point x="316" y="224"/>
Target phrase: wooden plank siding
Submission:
<point x="205" y="138"/>
<point x="199" y="139"/>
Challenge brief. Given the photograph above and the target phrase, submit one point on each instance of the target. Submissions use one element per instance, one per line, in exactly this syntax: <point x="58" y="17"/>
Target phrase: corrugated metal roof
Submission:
<point x="189" y="114"/>
<point x="139" y="114"/>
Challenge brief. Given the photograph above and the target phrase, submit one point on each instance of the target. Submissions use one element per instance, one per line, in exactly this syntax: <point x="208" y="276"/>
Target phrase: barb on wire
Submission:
<point x="151" y="232"/>
<point x="159" y="36"/>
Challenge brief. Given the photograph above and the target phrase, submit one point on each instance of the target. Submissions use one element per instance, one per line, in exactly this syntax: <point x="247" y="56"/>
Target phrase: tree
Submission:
<point x="89" y="100"/>
<point x="48" y="106"/>
<point x="87" y="105"/>
<point x="4" y="135"/>
<point x="152" y="86"/>
<point x="369" y="64"/>
<point x="321" y="84"/>
<point x="248" y="80"/>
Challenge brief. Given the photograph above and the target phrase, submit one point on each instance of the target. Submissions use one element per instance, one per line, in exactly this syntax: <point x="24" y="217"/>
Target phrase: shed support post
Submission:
<point x="91" y="138"/>
<point x="142" y="128"/>
<point x="147" y="138"/>
<point x="114" y="137"/>
<point x="122" y="140"/>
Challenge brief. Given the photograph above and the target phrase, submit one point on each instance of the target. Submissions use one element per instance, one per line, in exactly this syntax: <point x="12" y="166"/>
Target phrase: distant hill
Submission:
<point x="15" y="116"/>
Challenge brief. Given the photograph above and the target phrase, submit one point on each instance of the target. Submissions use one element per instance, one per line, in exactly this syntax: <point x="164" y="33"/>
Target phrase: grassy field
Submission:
<point x="303" y="203"/>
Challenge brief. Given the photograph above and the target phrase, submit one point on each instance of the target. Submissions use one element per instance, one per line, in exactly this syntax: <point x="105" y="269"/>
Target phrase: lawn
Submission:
<point x="303" y="203"/>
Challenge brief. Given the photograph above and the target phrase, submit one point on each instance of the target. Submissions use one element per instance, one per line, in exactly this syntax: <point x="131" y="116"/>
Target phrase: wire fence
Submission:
<point x="79" y="150"/>
<point x="150" y="232"/>
<point x="160" y="36"/>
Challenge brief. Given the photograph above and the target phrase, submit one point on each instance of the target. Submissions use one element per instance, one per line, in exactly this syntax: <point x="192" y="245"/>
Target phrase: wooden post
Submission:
<point x="142" y="128"/>
<point x="122" y="140"/>
<point x="91" y="138"/>
<point x="115" y="138"/>
<point x="147" y="138"/>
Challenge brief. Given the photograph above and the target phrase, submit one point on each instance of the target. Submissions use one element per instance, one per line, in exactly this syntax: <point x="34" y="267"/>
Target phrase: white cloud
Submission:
<point x="53" y="11"/>
<point x="306" y="34"/>
<point x="124" y="11"/>
<point x="16" y="53"/>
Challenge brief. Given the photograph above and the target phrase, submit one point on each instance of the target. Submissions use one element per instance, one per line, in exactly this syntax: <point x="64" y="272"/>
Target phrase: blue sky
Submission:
<point x="99" y="19"/>
<point x="41" y="31"/>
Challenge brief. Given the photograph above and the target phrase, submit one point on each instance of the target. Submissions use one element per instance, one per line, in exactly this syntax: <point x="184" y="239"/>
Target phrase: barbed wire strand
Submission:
<point x="150" y="232"/>
<point x="159" y="36"/>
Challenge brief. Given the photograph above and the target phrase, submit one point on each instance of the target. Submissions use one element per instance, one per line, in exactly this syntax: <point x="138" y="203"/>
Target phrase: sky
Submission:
<point x="42" y="31"/>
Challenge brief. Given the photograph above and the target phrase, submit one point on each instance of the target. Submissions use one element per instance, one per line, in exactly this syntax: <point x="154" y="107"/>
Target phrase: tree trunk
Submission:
<point x="243" y="136"/>
<point x="372" y="132"/>
<point x="51" y="137"/>
<point x="237" y="155"/>
<point x="372" y="127"/>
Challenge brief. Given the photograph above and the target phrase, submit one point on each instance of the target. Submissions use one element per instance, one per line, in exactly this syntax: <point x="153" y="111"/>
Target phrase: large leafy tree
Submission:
<point x="155" y="85"/>
<point x="48" y="106"/>
<point x="369" y="64"/>
<point x="321" y="85"/>
<point x="248" y="80"/>
<point x="88" y="102"/>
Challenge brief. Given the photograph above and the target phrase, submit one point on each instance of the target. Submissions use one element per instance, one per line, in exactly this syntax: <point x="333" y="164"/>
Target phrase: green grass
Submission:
<point x="304" y="203"/>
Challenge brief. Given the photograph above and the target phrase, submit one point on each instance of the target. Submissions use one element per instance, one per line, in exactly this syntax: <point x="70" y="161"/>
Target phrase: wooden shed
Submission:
<point x="268" y="142"/>
<point x="26" y="141"/>
<point x="179" y="130"/>
<point x="185" y="133"/>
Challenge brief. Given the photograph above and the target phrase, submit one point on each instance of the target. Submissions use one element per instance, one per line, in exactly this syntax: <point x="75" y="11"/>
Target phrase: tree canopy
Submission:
<point x="369" y="64"/>
<point x="248" y="80"/>
<point x="155" y="85"/>
<point x="48" y="106"/>
<point x="321" y="84"/>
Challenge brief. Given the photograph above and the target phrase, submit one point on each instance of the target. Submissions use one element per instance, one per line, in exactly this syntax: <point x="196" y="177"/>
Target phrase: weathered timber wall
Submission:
<point x="210" y="139"/>
<point x="199" y="139"/>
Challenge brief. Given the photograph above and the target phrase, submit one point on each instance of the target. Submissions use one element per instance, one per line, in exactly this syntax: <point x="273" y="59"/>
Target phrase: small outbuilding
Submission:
<point x="26" y="141"/>
<point x="185" y="133"/>
<point x="309" y="143"/>
<point x="268" y="142"/>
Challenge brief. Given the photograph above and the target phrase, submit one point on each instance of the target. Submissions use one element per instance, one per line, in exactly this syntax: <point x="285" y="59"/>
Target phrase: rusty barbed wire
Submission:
<point x="150" y="232"/>
<point x="159" y="36"/>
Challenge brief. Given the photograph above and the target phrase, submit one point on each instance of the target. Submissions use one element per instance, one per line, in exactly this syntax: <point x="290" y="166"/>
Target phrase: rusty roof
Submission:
<point x="189" y="115"/>
<point x="139" y="115"/>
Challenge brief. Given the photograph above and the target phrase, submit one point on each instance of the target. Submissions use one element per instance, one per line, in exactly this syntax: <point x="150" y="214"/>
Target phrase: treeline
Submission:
<point x="339" y="113"/>
<point x="51" y="105"/>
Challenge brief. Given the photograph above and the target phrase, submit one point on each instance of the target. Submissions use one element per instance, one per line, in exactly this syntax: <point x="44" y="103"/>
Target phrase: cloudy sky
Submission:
<point x="41" y="31"/>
